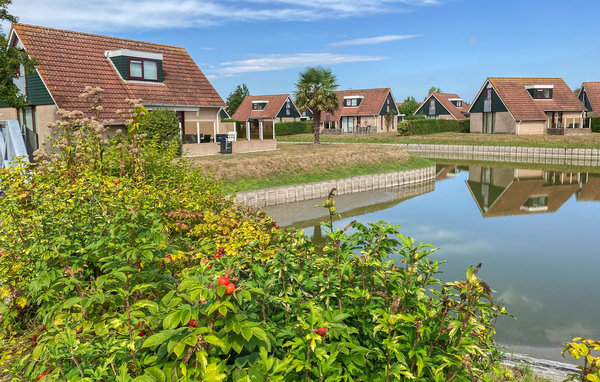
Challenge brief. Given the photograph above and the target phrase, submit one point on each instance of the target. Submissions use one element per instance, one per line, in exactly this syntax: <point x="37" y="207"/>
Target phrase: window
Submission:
<point x="259" y="105"/>
<point x="488" y="94"/>
<point x="458" y="103"/>
<point x="536" y="203"/>
<point x="288" y="107"/>
<point x="351" y="102"/>
<point x="542" y="94"/>
<point x="142" y="69"/>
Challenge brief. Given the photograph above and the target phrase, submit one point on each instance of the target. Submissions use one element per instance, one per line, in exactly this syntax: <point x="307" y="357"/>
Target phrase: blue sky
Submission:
<point x="407" y="45"/>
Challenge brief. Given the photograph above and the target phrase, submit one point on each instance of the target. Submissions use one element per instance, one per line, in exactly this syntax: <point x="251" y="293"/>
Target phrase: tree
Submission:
<point x="409" y="106"/>
<point x="389" y="119"/>
<point x="315" y="91"/>
<point x="433" y="89"/>
<point x="236" y="97"/>
<point x="576" y="91"/>
<point x="12" y="61"/>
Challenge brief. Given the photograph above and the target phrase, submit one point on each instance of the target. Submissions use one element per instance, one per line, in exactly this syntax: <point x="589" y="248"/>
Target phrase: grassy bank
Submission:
<point x="303" y="163"/>
<point x="452" y="138"/>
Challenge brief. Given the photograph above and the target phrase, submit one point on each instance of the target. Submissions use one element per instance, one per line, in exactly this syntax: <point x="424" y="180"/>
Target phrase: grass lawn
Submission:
<point x="302" y="163"/>
<point x="448" y="138"/>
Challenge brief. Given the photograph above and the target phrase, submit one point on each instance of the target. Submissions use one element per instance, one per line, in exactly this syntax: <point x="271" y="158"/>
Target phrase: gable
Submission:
<point x="497" y="104"/>
<point x="293" y="112"/>
<point x="388" y="105"/>
<point x="439" y="108"/>
<point x="37" y="94"/>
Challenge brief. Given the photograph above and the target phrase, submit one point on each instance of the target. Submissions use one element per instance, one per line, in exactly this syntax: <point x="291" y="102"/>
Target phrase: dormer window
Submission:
<point x="540" y="91"/>
<point x="458" y="103"/>
<point x="259" y="105"/>
<point x="143" y="69"/>
<point x="352" y="101"/>
<point x="134" y="65"/>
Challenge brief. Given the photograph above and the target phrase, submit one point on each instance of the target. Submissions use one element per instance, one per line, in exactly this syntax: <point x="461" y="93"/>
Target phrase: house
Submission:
<point x="507" y="192"/>
<point x="506" y="105"/>
<point x="162" y="76"/>
<point x="362" y="111"/>
<point x="589" y="95"/>
<point x="443" y="106"/>
<point x="262" y="112"/>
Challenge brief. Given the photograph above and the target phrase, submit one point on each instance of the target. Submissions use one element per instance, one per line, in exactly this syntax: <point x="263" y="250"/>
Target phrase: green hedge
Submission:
<point x="595" y="123"/>
<point x="290" y="128"/>
<point x="432" y="126"/>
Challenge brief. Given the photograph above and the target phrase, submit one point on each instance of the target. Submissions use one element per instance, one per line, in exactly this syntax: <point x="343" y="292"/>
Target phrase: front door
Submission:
<point x="488" y="123"/>
<point x="347" y="125"/>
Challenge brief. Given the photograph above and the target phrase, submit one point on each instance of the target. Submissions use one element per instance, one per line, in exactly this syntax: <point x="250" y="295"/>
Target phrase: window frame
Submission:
<point x="264" y="105"/>
<point x="142" y="78"/>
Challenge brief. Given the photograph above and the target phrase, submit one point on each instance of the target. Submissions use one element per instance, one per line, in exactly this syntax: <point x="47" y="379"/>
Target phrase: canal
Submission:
<point x="534" y="229"/>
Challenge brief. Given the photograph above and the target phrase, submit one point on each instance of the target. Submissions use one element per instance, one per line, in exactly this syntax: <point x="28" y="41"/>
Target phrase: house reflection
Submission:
<point x="509" y="191"/>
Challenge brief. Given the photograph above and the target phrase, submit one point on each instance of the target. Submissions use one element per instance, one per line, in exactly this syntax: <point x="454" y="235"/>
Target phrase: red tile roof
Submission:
<point x="275" y="102"/>
<point x="444" y="99"/>
<point x="69" y="61"/>
<point x="592" y="89"/>
<point x="371" y="103"/>
<point x="523" y="107"/>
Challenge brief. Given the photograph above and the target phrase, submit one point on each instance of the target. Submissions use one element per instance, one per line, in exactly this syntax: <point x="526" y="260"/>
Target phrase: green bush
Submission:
<point x="290" y="128"/>
<point x="122" y="265"/>
<point x="160" y="125"/>
<point x="412" y="117"/>
<point x="595" y="123"/>
<point x="432" y="126"/>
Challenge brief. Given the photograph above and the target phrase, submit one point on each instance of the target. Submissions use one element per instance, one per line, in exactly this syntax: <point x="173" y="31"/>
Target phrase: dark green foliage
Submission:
<point x="432" y="126"/>
<point x="160" y="125"/>
<point x="11" y="60"/>
<point x="595" y="123"/>
<point x="290" y="128"/>
<point x="235" y="98"/>
<point x="412" y="117"/>
<point x="409" y="106"/>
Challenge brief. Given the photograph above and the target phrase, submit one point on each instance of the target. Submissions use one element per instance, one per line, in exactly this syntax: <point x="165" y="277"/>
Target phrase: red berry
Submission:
<point x="211" y="197"/>
<point x="34" y="338"/>
<point x="192" y="323"/>
<point x="218" y="255"/>
<point x="221" y="250"/>
<point x="42" y="375"/>
<point x="140" y="324"/>
<point x="230" y="288"/>
<point x="321" y="331"/>
<point x="223" y="281"/>
<point x="191" y="249"/>
<point x="32" y="184"/>
<point x="142" y="333"/>
<point x="168" y="256"/>
<point x="116" y="182"/>
<point x="44" y="328"/>
<point x="209" y="266"/>
<point x="276" y="226"/>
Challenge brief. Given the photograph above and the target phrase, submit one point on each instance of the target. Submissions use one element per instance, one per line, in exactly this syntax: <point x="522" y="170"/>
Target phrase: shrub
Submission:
<point x="118" y="264"/>
<point x="431" y="126"/>
<point x="160" y="125"/>
<point x="594" y="122"/>
<point x="290" y="128"/>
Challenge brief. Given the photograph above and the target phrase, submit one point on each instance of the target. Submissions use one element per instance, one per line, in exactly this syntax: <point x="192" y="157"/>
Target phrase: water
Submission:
<point x="536" y="231"/>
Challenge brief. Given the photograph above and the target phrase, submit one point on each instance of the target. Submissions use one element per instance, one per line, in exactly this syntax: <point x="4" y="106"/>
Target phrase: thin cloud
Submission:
<point x="273" y="62"/>
<point x="127" y="15"/>
<point x="374" y="40"/>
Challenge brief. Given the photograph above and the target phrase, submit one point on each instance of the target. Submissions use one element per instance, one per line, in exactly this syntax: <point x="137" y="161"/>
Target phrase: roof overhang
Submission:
<point x="539" y="87"/>
<point x="134" y="53"/>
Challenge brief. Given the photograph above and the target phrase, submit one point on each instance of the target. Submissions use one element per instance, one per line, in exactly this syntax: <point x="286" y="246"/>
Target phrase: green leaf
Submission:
<point x="213" y="340"/>
<point x="157" y="339"/>
<point x="172" y="320"/>
<point x="156" y="374"/>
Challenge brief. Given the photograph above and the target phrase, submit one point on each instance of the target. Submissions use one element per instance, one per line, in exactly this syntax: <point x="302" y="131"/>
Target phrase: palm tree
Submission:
<point x="315" y="91"/>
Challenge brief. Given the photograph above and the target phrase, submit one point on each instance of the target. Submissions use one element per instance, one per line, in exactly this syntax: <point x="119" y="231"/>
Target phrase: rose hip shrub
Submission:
<point x="119" y="263"/>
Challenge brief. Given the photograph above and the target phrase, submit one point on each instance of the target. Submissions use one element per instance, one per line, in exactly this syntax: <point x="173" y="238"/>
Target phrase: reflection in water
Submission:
<point x="539" y="253"/>
<point x="508" y="191"/>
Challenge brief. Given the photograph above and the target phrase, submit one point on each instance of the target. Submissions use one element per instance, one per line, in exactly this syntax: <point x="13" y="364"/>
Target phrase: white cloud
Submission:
<point x="127" y="15"/>
<point x="374" y="40"/>
<point x="272" y="62"/>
